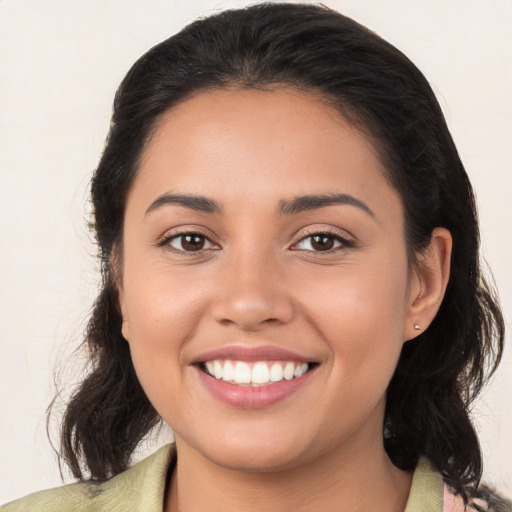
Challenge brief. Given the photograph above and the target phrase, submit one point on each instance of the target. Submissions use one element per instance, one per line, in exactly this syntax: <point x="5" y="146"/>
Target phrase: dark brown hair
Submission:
<point x="379" y="90"/>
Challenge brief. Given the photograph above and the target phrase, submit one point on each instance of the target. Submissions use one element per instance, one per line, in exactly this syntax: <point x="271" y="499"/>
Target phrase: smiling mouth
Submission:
<point x="255" y="374"/>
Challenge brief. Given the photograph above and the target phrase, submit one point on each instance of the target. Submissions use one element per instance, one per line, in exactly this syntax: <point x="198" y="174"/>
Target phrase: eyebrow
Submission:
<point x="286" y="207"/>
<point x="312" y="202"/>
<point x="198" y="203"/>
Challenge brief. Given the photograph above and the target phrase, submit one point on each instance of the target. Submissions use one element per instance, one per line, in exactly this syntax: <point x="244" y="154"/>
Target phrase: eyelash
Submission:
<point x="166" y="242"/>
<point x="344" y="242"/>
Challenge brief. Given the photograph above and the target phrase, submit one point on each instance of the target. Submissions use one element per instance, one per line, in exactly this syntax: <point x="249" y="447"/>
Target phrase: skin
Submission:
<point x="259" y="281"/>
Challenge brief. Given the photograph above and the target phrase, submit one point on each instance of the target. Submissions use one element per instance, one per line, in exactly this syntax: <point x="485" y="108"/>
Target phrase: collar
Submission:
<point x="426" y="494"/>
<point x="142" y="487"/>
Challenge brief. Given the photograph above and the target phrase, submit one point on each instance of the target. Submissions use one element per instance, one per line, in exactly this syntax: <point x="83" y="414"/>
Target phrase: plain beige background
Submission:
<point x="60" y="63"/>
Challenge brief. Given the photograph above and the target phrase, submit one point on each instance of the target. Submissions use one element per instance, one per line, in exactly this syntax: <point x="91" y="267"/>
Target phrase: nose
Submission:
<point x="253" y="294"/>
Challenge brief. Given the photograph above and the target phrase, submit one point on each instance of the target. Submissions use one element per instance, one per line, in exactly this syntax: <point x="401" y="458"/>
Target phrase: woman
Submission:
<point x="289" y="249"/>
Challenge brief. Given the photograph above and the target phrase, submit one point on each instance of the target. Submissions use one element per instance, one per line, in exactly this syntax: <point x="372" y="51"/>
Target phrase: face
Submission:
<point x="265" y="287"/>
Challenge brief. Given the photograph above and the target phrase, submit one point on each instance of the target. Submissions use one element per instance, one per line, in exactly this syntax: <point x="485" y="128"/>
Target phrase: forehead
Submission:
<point x="249" y="144"/>
<point x="287" y="110"/>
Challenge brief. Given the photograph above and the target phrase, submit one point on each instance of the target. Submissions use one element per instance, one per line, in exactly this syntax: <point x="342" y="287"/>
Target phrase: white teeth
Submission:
<point x="260" y="373"/>
<point x="229" y="371"/>
<point x="217" y="370"/>
<point x="257" y="374"/>
<point x="242" y="373"/>
<point x="276" y="372"/>
<point x="289" y="370"/>
<point x="300" y="370"/>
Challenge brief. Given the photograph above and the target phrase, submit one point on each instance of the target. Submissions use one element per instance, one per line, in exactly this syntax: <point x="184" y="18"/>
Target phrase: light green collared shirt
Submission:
<point x="142" y="489"/>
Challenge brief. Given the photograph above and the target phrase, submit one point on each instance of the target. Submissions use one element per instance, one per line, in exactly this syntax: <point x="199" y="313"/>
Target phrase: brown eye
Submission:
<point x="322" y="242"/>
<point x="190" y="242"/>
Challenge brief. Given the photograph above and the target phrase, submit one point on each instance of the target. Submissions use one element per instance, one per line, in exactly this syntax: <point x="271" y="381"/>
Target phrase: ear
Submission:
<point x="116" y="267"/>
<point x="428" y="282"/>
<point x="125" y="326"/>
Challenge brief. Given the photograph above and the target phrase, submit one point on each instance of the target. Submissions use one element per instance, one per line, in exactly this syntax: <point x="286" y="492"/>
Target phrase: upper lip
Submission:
<point x="250" y="354"/>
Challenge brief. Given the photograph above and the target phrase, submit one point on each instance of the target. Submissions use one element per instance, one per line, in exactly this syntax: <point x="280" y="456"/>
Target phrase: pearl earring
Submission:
<point x="416" y="327"/>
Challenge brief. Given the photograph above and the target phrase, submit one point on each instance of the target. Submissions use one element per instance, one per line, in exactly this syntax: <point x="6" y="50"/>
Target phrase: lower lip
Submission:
<point x="248" y="397"/>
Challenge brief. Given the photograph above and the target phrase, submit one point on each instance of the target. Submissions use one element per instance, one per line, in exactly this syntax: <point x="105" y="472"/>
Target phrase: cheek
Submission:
<point x="163" y="311"/>
<point x="162" y="319"/>
<point x="361" y="315"/>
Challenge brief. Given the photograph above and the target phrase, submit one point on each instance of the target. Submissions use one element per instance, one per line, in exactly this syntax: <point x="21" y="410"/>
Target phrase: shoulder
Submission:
<point x="429" y="493"/>
<point x="68" y="497"/>
<point x="142" y="487"/>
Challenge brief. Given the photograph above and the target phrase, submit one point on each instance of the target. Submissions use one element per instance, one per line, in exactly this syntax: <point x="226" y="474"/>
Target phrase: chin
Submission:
<point x="258" y="454"/>
<point x="258" y="461"/>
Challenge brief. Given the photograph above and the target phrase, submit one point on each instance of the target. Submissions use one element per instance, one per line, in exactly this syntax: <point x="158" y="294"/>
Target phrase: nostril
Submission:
<point x="249" y="324"/>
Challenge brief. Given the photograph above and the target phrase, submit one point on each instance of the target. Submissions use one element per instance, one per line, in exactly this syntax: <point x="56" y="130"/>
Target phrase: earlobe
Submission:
<point x="125" y="326"/>
<point x="429" y="280"/>
<point x="125" y="330"/>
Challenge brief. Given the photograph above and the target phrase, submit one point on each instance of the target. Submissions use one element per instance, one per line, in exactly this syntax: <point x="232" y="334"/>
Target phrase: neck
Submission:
<point x="355" y="480"/>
